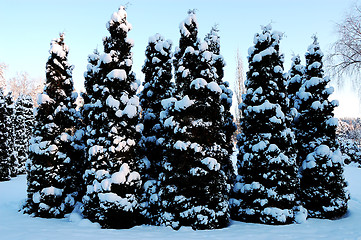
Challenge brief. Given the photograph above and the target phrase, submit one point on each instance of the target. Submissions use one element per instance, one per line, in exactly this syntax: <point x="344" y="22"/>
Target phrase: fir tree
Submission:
<point x="157" y="86"/>
<point x="194" y="189"/>
<point x="50" y="191"/>
<point x="265" y="188"/>
<point x="5" y="167"/>
<point x="228" y="128"/>
<point x="112" y="178"/>
<point x="322" y="184"/>
<point x="23" y="128"/>
<point x="295" y="79"/>
<point x="10" y="133"/>
<point x="213" y="40"/>
<point x="188" y="41"/>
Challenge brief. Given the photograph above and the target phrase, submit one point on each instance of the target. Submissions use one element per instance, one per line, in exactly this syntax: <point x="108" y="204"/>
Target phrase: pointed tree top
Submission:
<point x="192" y="11"/>
<point x="62" y="36"/>
<point x="315" y="39"/>
<point x="314" y="48"/>
<point x="266" y="28"/>
<point x="215" y="28"/>
<point x="296" y="59"/>
<point x="119" y="20"/>
<point x="187" y="23"/>
<point x="213" y="40"/>
<point x="58" y="47"/>
<point x="214" y="31"/>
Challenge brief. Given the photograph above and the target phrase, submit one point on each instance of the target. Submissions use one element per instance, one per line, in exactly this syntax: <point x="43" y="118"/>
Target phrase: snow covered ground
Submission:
<point x="15" y="225"/>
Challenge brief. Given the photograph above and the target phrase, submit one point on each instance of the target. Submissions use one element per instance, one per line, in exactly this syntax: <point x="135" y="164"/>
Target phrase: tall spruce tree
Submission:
<point x="157" y="86"/>
<point x="10" y="133"/>
<point x="50" y="193"/>
<point x="295" y="79"/>
<point x="213" y="40"/>
<point x="228" y="128"/>
<point x="112" y="131"/>
<point x="194" y="189"/>
<point x="5" y="167"/>
<point x="265" y="188"/>
<point x="322" y="184"/>
<point x="188" y="41"/>
<point x="23" y="128"/>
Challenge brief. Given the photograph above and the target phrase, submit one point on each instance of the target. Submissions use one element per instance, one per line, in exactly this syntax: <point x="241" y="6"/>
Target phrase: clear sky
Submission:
<point x="27" y="28"/>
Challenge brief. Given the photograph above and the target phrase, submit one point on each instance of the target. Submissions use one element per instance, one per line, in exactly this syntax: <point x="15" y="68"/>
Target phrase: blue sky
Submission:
<point x="27" y="28"/>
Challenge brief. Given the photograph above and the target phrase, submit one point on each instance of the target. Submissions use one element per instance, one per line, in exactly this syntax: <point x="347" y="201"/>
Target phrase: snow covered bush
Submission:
<point x="111" y="114"/>
<point x="193" y="189"/>
<point x="351" y="151"/>
<point x="348" y="138"/>
<point x="323" y="190"/>
<point x="266" y="185"/>
<point x="53" y="167"/>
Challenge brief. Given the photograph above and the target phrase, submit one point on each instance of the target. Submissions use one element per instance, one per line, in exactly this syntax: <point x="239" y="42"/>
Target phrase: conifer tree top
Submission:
<point x="314" y="48"/>
<point x="189" y="31"/>
<point x="160" y="43"/>
<point x="189" y="22"/>
<point x="266" y="35"/>
<point x="213" y="40"/>
<point x="296" y="60"/>
<point x="59" y="82"/>
<point x="261" y="41"/>
<point x="58" y="47"/>
<point x="314" y="63"/>
<point x="119" y="21"/>
<point x="297" y="70"/>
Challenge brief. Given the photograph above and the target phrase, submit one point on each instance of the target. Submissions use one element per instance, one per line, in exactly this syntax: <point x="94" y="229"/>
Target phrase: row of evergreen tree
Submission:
<point x="16" y="122"/>
<point x="288" y="160"/>
<point x="163" y="157"/>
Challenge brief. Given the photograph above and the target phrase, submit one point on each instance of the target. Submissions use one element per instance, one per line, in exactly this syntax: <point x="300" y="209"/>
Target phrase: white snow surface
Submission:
<point x="211" y="163"/>
<point x="198" y="83"/>
<point x="214" y="87"/>
<point x="184" y="103"/>
<point x="52" y="191"/>
<point x="117" y="74"/>
<point x="112" y="102"/>
<point x="43" y="98"/>
<point x="15" y="225"/>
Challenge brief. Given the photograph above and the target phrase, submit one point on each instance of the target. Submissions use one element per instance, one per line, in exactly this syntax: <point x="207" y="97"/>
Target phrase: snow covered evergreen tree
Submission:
<point x="51" y="168"/>
<point x="188" y="41"/>
<point x="5" y="166"/>
<point x="157" y="86"/>
<point x="265" y="188"/>
<point x="23" y="129"/>
<point x="194" y="188"/>
<point x="322" y="184"/>
<point x="213" y="41"/>
<point x="295" y="79"/>
<point x="10" y="133"/>
<point x="112" y="179"/>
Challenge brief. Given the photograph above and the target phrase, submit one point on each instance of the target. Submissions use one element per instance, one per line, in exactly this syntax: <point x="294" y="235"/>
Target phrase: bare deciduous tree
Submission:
<point x="22" y="83"/>
<point x="3" y="68"/>
<point x="239" y="87"/>
<point x="345" y="56"/>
